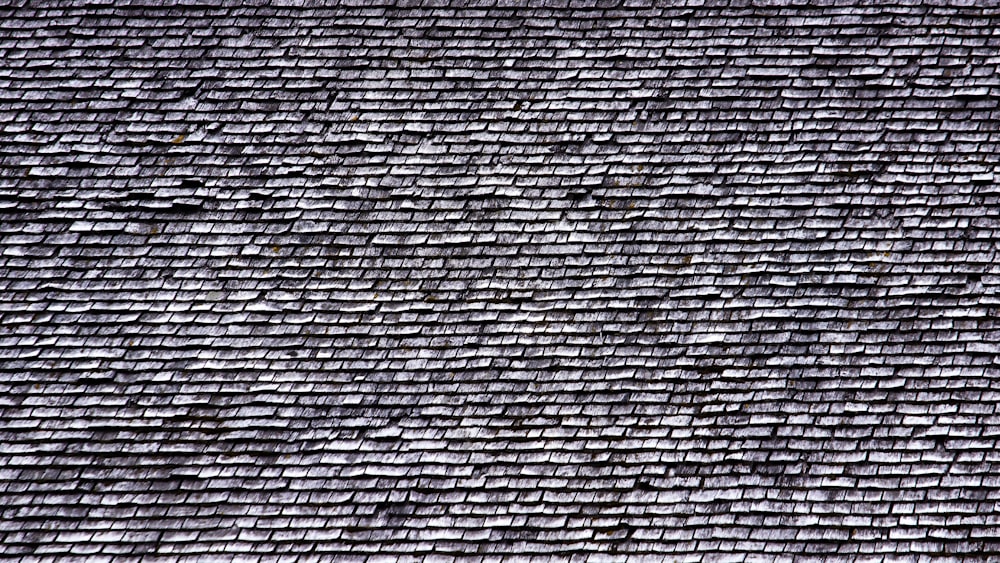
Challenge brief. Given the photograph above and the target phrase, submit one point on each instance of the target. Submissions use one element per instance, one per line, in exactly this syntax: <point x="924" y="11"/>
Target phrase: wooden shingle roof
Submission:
<point x="553" y="280"/>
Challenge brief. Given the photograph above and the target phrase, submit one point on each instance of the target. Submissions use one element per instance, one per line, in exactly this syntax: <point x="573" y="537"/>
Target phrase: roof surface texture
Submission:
<point x="563" y="281"/>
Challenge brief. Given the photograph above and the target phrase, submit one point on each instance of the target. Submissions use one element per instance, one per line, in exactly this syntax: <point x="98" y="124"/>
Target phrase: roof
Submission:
<point x="536" y="279"/>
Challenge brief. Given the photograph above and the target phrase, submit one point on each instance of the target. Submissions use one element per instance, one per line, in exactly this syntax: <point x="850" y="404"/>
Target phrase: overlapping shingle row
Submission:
<point x="576" y="281"/>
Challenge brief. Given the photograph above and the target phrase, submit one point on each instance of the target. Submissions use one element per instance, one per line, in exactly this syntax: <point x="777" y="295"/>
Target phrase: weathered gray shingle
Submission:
<point x="491" y="280"/>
